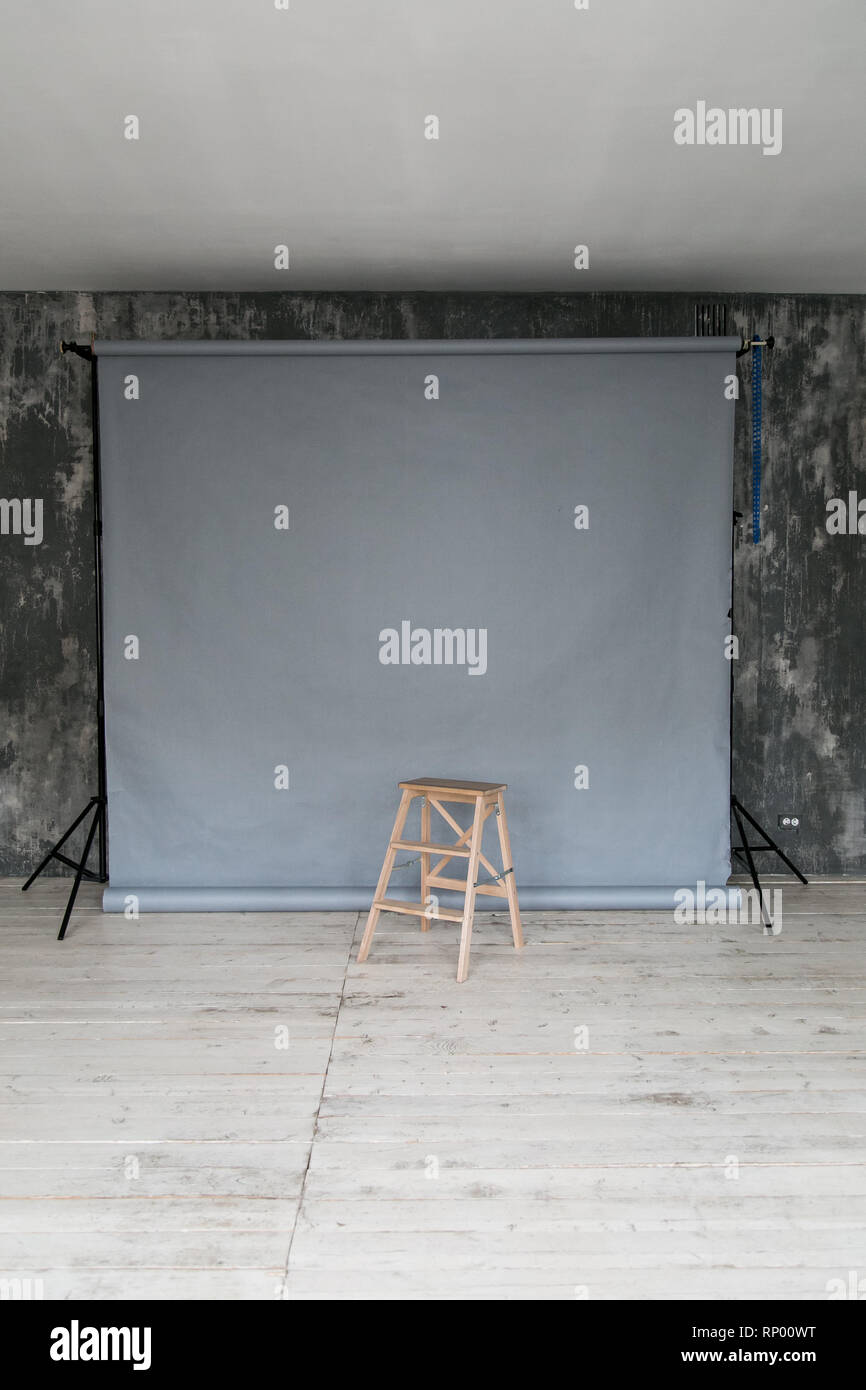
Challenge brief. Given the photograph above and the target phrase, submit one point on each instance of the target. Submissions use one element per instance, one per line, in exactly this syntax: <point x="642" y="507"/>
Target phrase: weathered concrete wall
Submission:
<point x="800" y="708"/>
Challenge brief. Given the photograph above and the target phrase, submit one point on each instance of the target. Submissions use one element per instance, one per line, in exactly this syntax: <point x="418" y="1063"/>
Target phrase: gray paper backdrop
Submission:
<point x="260" y="647"/>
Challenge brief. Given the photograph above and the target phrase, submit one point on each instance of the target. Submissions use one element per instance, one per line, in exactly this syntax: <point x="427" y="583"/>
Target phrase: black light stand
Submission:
<point x="711" y="321"/>
<point x="746" y="851"/>
<point x="97" y="806"/>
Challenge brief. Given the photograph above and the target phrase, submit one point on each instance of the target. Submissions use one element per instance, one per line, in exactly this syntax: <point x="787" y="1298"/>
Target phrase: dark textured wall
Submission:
<point x="800" y="681"/>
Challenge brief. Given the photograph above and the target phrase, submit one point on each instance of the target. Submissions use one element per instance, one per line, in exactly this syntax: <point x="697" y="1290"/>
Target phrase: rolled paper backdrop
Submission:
<point x="331" y="566"/>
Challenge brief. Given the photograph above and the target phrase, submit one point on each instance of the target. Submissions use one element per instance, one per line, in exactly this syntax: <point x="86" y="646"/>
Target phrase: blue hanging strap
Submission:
<point x="756" y="443"/>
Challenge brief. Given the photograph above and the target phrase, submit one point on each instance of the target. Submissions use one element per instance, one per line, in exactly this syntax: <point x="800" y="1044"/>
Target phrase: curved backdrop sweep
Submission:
<point x="331" y="566"/>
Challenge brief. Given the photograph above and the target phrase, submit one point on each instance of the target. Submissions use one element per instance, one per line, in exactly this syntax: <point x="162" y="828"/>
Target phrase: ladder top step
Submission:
<point x="441" y="785"/>
<point x="417" y="910"/>
<point x="431" y="848"/>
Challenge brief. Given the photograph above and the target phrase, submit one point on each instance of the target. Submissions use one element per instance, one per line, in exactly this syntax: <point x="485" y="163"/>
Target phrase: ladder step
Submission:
<point x="417" y="910"/>
<point x="431" y="849"/>
<point x="458" y="885"/>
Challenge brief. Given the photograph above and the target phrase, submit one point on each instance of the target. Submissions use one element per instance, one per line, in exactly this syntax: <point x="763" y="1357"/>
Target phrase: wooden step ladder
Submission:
<point x="487" y="798"/>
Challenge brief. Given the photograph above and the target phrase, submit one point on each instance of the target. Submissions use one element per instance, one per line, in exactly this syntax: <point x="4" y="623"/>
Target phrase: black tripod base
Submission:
<point x="746" y="852"/>
<point x="95" y="807"/>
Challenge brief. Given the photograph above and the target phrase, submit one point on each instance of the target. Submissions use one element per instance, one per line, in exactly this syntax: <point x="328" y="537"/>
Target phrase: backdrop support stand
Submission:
<point x="97" y="806"/>
<point x="745" y="851"/>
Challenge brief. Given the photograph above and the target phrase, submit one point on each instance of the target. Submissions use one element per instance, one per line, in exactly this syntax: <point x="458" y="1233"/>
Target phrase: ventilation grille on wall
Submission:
<point x="711" y="320"/>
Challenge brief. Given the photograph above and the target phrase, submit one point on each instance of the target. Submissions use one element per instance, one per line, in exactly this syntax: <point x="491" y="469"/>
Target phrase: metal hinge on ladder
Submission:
<point x="494" y="878"/>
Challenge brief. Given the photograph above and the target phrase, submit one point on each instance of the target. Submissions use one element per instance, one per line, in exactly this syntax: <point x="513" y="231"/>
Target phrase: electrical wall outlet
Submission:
<point x="789" y="822"/>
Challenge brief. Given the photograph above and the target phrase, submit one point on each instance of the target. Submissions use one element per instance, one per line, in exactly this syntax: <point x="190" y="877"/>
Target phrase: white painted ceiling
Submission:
<point x="305" y="127"/>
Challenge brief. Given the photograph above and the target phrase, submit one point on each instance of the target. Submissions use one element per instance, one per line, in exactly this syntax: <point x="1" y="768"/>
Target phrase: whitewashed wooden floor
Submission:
<point x="423" y="1139"/>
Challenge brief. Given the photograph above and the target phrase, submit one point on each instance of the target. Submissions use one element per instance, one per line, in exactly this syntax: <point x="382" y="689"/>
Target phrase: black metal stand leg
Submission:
<point x="98" y="821"/>
<point x="747" y="850"/>
<point x="771" y="843"/>
<point x="53" y="854"/>
<point x="96" y="804"/>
